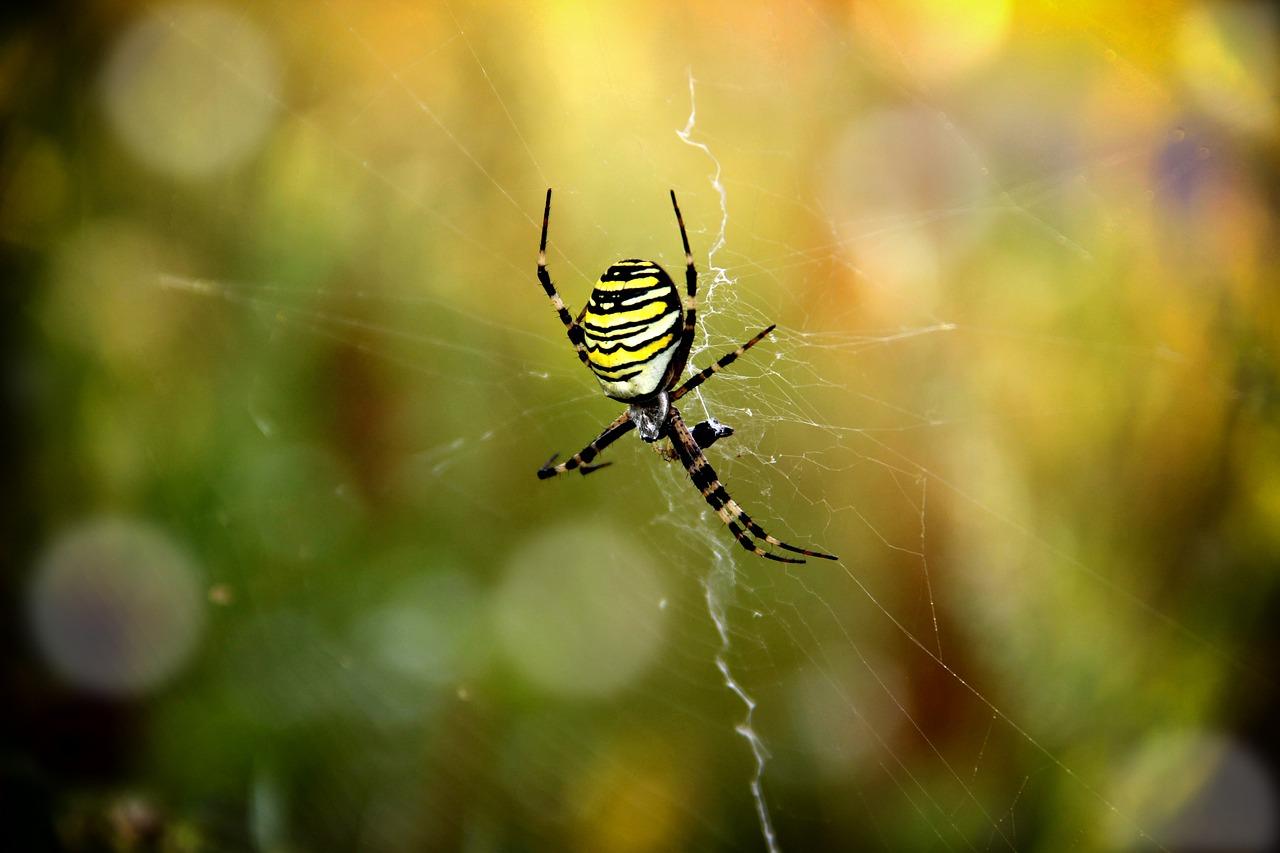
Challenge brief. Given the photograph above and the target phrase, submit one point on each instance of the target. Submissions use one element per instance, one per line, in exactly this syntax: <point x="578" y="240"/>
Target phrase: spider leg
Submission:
<point x="704" y="477"/>
<point x="571" y="326"/>
<point x="690" y="305"/>
<point x="582" y="459"/>
<point x="723" y="362"/>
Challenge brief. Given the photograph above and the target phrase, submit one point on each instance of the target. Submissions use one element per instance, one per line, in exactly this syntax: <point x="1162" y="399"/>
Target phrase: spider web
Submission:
<point x="994" y="663"/>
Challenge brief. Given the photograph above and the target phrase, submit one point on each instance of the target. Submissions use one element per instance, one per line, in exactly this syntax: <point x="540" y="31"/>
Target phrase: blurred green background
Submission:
<point x="278" y="375"/>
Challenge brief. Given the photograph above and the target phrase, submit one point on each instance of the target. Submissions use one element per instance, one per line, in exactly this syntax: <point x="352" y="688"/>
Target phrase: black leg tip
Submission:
<point x="548" y="469"/>
<point x="807" y="552"/>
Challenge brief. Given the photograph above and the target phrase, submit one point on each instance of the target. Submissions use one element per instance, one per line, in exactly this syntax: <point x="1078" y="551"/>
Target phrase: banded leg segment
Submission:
<point x="571" y="326"/>
<point x="715" y="494"/>
<point x="690" y="302"/>
<point x="582" y="459"/>
<point x="723" y="362"/>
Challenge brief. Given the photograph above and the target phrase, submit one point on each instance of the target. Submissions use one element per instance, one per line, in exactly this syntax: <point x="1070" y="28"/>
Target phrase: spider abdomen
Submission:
<point x="631" y="328"/>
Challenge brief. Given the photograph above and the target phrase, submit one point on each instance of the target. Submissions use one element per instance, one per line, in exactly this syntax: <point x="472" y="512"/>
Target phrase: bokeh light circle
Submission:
<point x="430" y="628"/>
<point x="909" y="196"/>
<point x="116" y="606"/>
<point x="579" y="612"/>
<point x="840" y="744"/>
<point x="191" y="89"/>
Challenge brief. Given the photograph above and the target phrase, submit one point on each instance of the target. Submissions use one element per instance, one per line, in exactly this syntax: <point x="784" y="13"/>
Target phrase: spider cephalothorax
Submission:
<point x="634" y="334"/>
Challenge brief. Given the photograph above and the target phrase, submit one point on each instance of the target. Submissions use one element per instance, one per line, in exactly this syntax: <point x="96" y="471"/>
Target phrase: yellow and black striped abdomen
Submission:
<point x="631" y="327"/>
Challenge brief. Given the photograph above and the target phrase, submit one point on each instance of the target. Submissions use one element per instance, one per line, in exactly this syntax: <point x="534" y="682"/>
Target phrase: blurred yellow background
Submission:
<point x="280" y="375"/>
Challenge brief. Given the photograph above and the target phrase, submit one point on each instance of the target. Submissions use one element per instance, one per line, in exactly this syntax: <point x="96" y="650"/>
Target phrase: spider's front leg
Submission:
<point x="571" y="326"/>
<point x="582" y="459"/>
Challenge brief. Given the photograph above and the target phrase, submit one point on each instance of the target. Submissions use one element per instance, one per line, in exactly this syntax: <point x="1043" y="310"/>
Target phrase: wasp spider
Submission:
<point x="635" y="334"/>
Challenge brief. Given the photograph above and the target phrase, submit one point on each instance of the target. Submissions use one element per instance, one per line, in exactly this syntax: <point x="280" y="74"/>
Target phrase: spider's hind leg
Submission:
<point x="715" y="494"/>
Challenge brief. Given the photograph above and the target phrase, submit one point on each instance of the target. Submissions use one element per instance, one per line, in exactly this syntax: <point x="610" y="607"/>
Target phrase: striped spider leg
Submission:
<point x="720" y="364"/>
<point x="715" y="494"/>
<point x="690" y="304"/>
<point x="571" y="326"/>
<point x="582" y="459"/>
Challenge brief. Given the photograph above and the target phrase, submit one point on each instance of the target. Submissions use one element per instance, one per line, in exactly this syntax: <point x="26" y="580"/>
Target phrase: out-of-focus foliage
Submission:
<point x="279" y="374"/>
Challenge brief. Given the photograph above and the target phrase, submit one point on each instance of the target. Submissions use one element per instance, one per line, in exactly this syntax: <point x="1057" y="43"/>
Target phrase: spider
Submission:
<point x="634" y="334"/>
